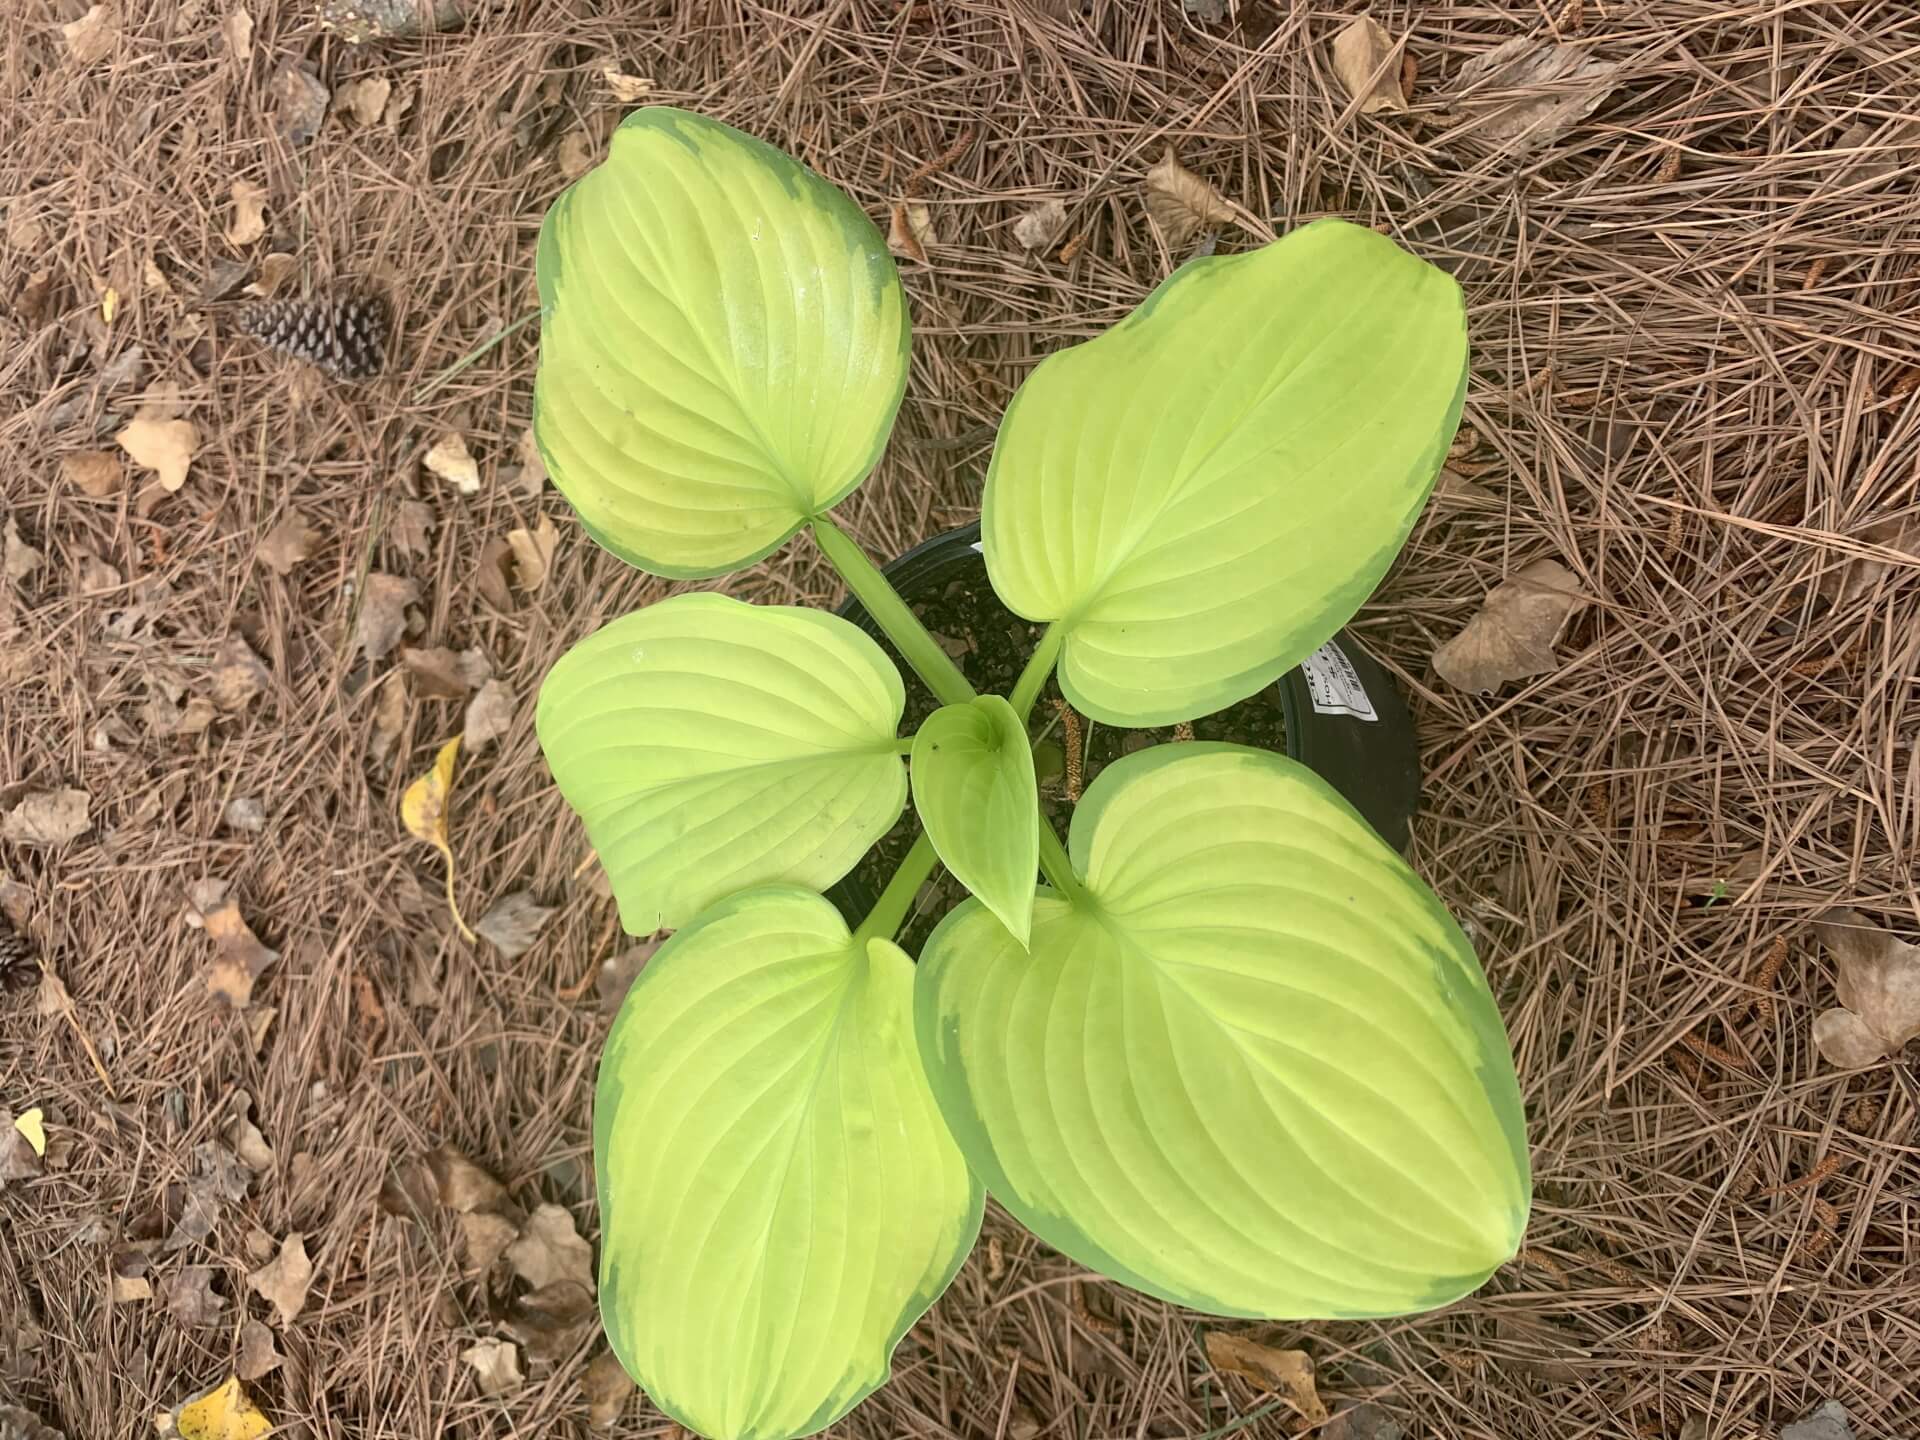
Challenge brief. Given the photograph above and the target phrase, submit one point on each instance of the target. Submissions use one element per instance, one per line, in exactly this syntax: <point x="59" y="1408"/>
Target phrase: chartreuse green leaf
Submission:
<point x="711" y="745"/>
<point x="1203" y="495"/>
<point x="779" y="1198"/>
<point x="723" y="345"/>
<point x="974" y="789"/>
<point x="1254" y="1069"/>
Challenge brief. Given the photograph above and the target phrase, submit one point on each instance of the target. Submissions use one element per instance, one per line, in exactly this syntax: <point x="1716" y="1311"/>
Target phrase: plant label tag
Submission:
<point x="1334" y="685"/>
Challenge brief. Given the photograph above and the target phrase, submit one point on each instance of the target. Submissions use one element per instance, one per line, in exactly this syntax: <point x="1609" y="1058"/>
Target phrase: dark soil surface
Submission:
<point x="991" y="644"/>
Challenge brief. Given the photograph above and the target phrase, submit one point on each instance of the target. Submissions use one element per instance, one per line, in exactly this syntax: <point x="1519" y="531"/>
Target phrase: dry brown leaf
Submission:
<point x="910" y="231"/>
<point x="533" y="553"/>
<point x="244" y="813"/>
<point x="389" y="715"/>
<point x="443" y="674"/>
<point x="158" y="441"/>
<point x="239" y="957"/>
<point x="1288" y="1373"/>
<point x="489" y="715"/>
<point x="1514" y="633"/>
<point x="365" y="99"/>
<point x="19" y="1160"/>
<point x="1527" y="93"/>
<point x="286" y="544"/>
<point x="237" y="31"/>
<point x="423" y="810"/>
<point x="463" y="1186"/>
<point x="130" y="1288"/>
<point x="258" y="1354"/>
<point x="574" y="154"/>
<point x="412" y="526"/>
<point x="1365" y="1421"/>
<point x="513" y="923"/>
<point x="238" y="674"/>
<point x="448" y="458"/>
<point x="1180" y="203"/>
<point x="486" y="1236"/>
<point x="190" y="1298"/>
<point x="383" y="614"/>
<point x="250" y="1145"/>
<point x="552" y="1320"/>
<point x="531" y="478"/>
<point x="550" y="1249"/>
<point x="1878" y="982"/>
<point x="271" y="273"/>
<point x="92" y="36"/>
<point x="18" y="559"/>
<point x="1860" y="574"/>
<point x="249" y="213"/>
<point x="496" y="560"/>
<point x="618" y="972"/>
<point x="283" y="1281"/>
<point x="607" y="1387"/>
<point x="299" y="102"/>
<point x="496" y="1365"/>
<point x="627" y="89"/>
<point x="1366" y="59"/>
<point x="97" y="474"/>
<point x="45" y="818"/>
<point x="1040" y="226"/>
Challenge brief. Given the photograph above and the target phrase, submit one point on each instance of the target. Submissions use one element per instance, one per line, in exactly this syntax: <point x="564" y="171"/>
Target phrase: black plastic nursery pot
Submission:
<point x="1338" y="712"/>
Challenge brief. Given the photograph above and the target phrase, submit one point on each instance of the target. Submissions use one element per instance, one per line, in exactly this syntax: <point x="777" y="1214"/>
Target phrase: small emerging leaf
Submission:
<point x="974" y="787"/>
<point x="423" y="809"/>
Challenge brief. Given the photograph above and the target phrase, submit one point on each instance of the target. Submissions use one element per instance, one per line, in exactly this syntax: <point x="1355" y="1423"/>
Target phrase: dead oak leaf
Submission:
<point x="1878" y="982"/>
<point x="1514" y="633"/>
<point x="606" y="1387"/>
<point x="533" y="553"/>
<point x="449" y="458"/>
<point x="190" y="1298"/>
<point x="1181" y="204"/>
<point x="412" y="526"/>
<point x="552" y="1320"/>
<point x="44" y="818"/>
<point x="495" y="1364"/>
<point x="239" y="957"/>
<point x="383" y="613"/>
<point x="489" y="715"/>
<point x="93" y="36"/>
<point x="549" y="1248"/>
<point x="288" y="543"/>
<point x="157" y="440"/>
<point x="249" y="213"/>
<point x="389" y="715"/>
<point x="283" y="1281"/>
<point x="258" y="1354"/>
<point x="486" y="1237"/>
<point x="299" y="102"/>
<point x="97" y="474"/>
<point x="1288" y="1373"/>
<point x="1527" y="93"/>
<point x="1366" y="60"/>
<point x="513" y="923"/>
<point x="910" y="231"/>
<point x="238" y="675"/>
<point x="444" y="674"/>
<point x="496" y="560"/>
<point x="1039" y="227"/>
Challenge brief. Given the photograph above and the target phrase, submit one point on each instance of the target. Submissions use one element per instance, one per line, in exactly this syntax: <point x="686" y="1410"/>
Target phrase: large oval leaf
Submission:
<point x="1256" y="1070"/>
<point x="723" y="345"/>
<point x="712" y="745"/>
<point x="779" y="1199"/>
<point x="974" y="789"/>
<point x="1203" y="495"/>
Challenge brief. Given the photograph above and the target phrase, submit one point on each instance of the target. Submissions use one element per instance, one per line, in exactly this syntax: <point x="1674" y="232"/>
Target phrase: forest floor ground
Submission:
<point x="1694" y="291"/>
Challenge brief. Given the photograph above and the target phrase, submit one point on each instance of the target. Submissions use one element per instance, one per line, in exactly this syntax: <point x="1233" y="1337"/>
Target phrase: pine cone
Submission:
<point x="18" y="969"/>
<point x="345" y="335"/>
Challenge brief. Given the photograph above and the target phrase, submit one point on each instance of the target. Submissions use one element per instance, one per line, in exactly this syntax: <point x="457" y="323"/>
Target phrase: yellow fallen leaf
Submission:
<point x="109" y="304"/>
<point x="30" y="1124"/>
<point x="225" y="1412"/>
<point x="423" y="809"/>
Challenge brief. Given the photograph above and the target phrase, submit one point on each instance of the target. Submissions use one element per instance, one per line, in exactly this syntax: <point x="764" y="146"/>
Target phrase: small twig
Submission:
<point x="1098" y="1324"/>
<point x="1824" y="1170"/>
<point x="939" y="162"/>
<point x="1761" y="1005"/>
<point x="1706" y="1049"/>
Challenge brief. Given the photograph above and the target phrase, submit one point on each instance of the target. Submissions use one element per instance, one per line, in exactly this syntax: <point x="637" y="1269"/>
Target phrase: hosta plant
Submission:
<point x="1230" y="1050"/>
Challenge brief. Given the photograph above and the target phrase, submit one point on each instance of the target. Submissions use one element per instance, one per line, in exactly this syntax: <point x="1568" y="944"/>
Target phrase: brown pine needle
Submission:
<point x="1707" y="1050"/>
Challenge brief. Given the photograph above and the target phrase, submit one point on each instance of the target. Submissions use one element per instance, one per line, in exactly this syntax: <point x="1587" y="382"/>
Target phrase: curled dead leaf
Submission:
<point x="513" y="923"/>
<point x="627" y="89"/>
<point x="93" y="36"/>
<point x="1181" y="204"/>
<point x="443" y="674"/>
<point x="239" y="957"/>
<point x="283" y="1281"/>
<point x="423" y="809"/>
<point x="249" y="213"/>
<point x="258" y="1354"/>
<point x="383" y="614"/>
<point x="552" y="1320"/>
<point x="533" y="553"/>
<point x="1514" y="633"/>
<point x="1288" y="1373"/>
<point x="1878" y="982"/>
<point x="1367" y="61"/>
<point x="489" y="715"/>
<point x="1859" y="574"/>
<point x="44" y="818"/>
<point x="97" y="474"/>
<point x="190" y="1299"/>
<point x="286" y="544"/>
<point x="549" y="1248"/>
<point x="238" y="674"/>
<point x="910" y="231"/>
<point x="299" y="102"/>
<point x="449" y="458"/>
<point x="364" y="99"/>
<point x="495" y="1364"/>
<point x="155" y="439"/>
<point x="1527" y="93"/>
<point x="1040" y="226"/>
<point x="606" y="1387"/>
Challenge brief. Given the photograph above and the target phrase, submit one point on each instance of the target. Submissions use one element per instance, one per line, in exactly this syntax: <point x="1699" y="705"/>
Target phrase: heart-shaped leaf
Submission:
<point x="1202" y="496"/>
<point x="779" y="1198"/>
<point x="723" y="345"/>
<point x="974" y="789"/>
<point x="1253" y="1069"/>
<point x="712" y="745"/>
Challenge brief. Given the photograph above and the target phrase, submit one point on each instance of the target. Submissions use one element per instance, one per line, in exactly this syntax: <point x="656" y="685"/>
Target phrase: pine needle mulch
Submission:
<point x="1696" y="319"/>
